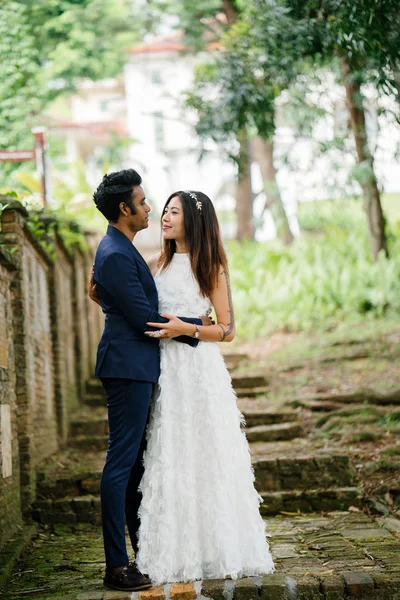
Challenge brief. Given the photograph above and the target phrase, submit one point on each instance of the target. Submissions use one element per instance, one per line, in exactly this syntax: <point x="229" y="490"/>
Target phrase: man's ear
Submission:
<point x="124" y="208"/>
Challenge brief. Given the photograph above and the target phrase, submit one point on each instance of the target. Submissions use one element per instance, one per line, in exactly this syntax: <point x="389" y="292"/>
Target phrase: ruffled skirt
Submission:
<point x="200" y="511"/>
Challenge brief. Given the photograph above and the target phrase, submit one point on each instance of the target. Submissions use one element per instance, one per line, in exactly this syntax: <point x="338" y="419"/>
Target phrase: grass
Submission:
<point x="325" y="279"/>
<point x="392" y="451"/>
<point x="315" y="284"/>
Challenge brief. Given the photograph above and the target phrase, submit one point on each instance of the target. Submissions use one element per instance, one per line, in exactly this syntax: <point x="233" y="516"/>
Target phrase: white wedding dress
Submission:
<point x="200" y="511"/>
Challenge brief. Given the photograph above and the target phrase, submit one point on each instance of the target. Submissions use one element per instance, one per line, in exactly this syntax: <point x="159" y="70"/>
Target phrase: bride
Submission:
<point x="200" y="511"/>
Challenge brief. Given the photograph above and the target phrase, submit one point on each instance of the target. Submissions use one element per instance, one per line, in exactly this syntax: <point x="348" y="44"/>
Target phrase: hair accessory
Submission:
<point x="199" y="204"/>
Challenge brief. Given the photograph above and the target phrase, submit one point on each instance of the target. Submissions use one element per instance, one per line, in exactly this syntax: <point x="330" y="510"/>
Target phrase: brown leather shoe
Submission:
<point x="127" y="580"/>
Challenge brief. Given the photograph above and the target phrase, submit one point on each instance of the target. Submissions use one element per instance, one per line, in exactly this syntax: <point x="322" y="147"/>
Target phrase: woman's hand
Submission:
<point x="92" y="288"/>
<point x="174" y="328"/>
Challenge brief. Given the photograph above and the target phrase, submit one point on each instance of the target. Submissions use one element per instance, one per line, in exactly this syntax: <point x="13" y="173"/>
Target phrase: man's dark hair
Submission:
<point x="116" y="188"/>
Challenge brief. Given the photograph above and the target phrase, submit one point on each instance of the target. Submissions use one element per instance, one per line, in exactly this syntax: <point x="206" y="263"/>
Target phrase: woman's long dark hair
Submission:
<point x="202" y="237"/>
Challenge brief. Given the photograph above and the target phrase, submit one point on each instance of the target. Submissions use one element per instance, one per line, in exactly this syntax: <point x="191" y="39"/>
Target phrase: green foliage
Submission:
<point x="345" y="214"/>
<point x="317" y="283"/>
<point x="2" y="207"/>
<point x="233" y="93"/>
<point x="45" y="225"/>
<point x="72" y="236"/>
<point x="72" y="195"/>
<point x="43" y="232"/>
<point x="366" y="32"/>
<point x="21" y="90"/>
<point x="46" y="45"/>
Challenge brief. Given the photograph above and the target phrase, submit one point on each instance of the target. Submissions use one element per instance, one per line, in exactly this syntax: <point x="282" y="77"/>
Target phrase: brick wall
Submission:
<point x="95" y="314"/>
<point x="80" y="311"/>
<point x="9" y="454"/>
<point x="49" y="332"/>
<point x="63" y="336"/>
<point x="37" y="424"/>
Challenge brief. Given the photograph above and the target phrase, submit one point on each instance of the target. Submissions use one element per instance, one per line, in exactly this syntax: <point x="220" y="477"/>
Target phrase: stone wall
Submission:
<point x="9" y="454"/>
<point x="95" y="316"/>
<point x="81" y="311"/>
<point x="49" y="332"/>
<point x="63" y="334"/>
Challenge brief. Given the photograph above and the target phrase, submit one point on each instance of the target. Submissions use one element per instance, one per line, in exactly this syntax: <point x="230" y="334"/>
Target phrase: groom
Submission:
<point x="128" y="365"/>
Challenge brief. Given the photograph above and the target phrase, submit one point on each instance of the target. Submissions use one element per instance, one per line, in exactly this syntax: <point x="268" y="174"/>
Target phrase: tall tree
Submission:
<point x="364" y="35"/>
<point x="246" y="82"/>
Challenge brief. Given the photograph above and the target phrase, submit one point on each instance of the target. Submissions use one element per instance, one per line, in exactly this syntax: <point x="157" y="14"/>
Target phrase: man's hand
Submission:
<point x="206" y="320"/>
<point x="92" y="289"/>
<point x="175" y="327"/>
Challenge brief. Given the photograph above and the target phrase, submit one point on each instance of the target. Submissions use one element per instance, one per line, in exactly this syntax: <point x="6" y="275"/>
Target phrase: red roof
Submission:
<point x="173" y="42"/>
<point x="94" y="127"/>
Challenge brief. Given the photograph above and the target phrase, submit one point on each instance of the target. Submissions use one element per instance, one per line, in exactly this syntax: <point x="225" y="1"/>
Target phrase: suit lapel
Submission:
<point x="121" y="238"/>
<point x="142" y="261"/>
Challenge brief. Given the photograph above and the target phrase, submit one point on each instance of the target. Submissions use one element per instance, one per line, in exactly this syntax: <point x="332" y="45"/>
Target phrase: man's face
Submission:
<point x="140" y="220"/>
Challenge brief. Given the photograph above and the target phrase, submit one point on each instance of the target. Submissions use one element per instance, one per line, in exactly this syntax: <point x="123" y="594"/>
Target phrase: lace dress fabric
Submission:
<point x="200" y="511"/>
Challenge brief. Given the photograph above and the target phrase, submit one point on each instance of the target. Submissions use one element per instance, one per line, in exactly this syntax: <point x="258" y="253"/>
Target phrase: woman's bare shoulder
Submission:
<point x="153" y="262"/>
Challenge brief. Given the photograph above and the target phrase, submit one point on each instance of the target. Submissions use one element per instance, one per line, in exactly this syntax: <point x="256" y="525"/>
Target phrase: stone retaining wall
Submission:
<point x="10" y="500"/>
<point x="48" y="338"/>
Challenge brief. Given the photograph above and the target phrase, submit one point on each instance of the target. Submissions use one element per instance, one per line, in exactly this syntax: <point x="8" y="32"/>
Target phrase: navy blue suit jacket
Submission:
<point x="129" y="300"/>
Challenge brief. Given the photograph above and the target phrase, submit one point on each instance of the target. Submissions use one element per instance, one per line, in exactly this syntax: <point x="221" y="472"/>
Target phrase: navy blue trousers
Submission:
<point x="128" y="404"/>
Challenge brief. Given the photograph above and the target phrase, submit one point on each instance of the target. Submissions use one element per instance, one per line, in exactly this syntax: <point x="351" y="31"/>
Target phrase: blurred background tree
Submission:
<point x="364" y="37"/>
<point x="46" y="46"/>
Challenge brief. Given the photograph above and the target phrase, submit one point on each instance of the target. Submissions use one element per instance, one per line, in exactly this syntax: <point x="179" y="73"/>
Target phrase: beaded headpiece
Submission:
<point x="199" y="204"/>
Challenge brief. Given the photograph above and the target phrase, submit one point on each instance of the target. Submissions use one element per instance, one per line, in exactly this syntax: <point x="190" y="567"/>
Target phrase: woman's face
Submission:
<point x="172" y="220"/>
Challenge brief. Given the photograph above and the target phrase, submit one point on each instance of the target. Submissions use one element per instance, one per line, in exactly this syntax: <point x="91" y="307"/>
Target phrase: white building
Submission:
<point x="166" y="149"/>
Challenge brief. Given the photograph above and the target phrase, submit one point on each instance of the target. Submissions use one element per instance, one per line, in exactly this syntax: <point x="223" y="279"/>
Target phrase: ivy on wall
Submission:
<point x="46" y="225"/>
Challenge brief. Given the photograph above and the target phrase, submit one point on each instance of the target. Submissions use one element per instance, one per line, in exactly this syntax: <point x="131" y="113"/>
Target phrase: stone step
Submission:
<point x="79" y="475"/>
<point x="274" y="432"/>
<point x="306" y="501"/>
<point x="258" y="433"/>
<point x="86" y="508"/>
<point x="327" y="400"/>
<point x="235" y="359"/>
<point x="94" y="386"/>
<point x="265" y="416"/>
<point x="89" y="442"/>
<point x="245" y="386"/>
<point x="93" y="421"/>
<point x="243" y="382"/>
<point x="319" y="471"/>
<point x="253" y="392"/>
<point x="68" y="510"/>
<point x="89" y="426"/>
<point x="95" y="399"/>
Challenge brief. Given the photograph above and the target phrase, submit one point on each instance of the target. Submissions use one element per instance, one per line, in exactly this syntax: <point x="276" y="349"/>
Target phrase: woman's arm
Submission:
<point x="223" y="331"/>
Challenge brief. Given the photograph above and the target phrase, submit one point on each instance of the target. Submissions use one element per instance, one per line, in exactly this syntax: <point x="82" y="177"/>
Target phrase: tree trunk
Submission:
<point x="396" y="77"/>
<point x="263" y="152"/>
<point x="229" y="11"/>
<point x="372" y="200"/>
<point x="244" y="200"/>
